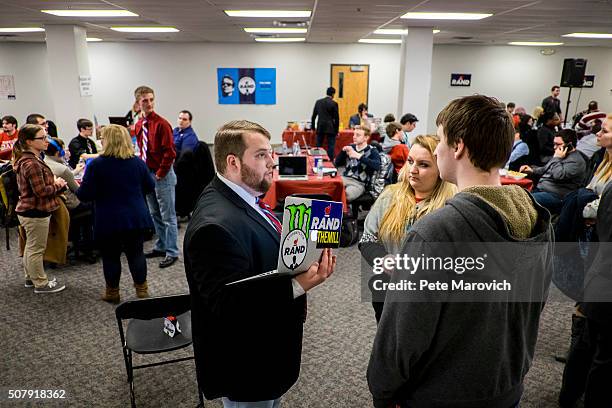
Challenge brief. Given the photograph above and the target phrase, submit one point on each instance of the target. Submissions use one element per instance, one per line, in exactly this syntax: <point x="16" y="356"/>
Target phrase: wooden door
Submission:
<point x="351" y="83"/>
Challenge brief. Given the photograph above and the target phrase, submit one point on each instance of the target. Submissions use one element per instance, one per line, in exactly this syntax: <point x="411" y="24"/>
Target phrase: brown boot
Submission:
<point x="111" y="295"/>
<point x="142" y="290"/>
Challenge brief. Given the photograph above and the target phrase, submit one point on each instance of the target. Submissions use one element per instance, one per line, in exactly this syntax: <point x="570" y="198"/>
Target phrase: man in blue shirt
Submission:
<point x="184" y="136"/>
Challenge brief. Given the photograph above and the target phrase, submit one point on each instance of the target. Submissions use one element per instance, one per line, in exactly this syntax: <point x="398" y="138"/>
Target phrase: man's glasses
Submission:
<point x="41" y="138"/>
<point x="227" y="84"/>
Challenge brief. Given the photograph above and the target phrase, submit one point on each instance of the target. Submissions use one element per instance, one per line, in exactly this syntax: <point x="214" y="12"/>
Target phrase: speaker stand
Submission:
<point x="569" y="96"/>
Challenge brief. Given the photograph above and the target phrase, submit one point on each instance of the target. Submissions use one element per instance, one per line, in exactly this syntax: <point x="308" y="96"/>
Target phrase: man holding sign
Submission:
<point x="243" y="329"/>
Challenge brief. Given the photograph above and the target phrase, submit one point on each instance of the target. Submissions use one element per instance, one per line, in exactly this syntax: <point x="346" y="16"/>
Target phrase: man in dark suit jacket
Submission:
<point x="327" y="111"/>
<point x="247" y="337"/>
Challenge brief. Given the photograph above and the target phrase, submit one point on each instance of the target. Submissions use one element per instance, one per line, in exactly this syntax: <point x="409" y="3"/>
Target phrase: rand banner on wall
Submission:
<point x="247" y="86"/>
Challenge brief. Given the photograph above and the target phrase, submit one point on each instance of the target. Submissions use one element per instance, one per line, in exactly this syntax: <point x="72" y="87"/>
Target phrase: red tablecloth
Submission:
<point x="524" y="182"/>
<point x="344" y="138"/>
<point x="328" y="185"/>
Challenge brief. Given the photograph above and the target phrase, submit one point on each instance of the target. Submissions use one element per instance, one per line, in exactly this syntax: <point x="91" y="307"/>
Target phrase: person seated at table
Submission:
<point x="585" y="210"/>
<point x="82" y="143"/>
<point x="382" y="128"/>
<point x="54" y="158"/>
<point x="185" y="138"/>
<point x="603" y="174"/>
<point x="360" y="160"/>
<point x="394" y="145"/>
<point x="537" y="113"/>
<point x="361" y="118"/>
<point x="564" y="173"/>
<point x="588" y="144"/>
<point x="8" y="137"/>
<point x="520" y="149"/>
<point x="408" y="122"/>
<point x="419" y="191"/>
<point x="546" y="134"/>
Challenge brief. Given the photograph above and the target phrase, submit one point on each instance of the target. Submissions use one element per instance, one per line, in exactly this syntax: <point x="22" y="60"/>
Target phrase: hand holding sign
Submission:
<point x="318" y="271"/>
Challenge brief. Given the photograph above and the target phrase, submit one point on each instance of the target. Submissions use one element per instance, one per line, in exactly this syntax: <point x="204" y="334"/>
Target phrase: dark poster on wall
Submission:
<point x="247" y="86"/>
<point x="461" y="80"/>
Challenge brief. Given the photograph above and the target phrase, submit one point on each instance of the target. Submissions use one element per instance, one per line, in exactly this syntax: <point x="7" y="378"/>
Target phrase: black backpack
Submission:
<point x="349" y="234"/>
<point x="9" y="195"/>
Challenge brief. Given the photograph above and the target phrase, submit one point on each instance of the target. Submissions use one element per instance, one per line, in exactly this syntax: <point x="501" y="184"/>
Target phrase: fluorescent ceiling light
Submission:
<point x="91" y="13"/>
<point x="145" y="29"/>
<point x="380" y="41"/>
<point x="396" y="31"/>
<point x="268" y="13"/>
<point x="391" y="31"/>
<point x="276" y="30"/>
<point x="93" y="39"/>
<point x="279" y="39"/>
<point x="21" y="30"/>
<point x="588" y="35"/>
<point x="535" y="43"/>
<point x="446" y="16"/>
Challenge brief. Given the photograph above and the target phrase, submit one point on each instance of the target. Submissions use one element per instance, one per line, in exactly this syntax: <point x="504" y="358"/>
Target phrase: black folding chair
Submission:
<point x="145" y="334"/>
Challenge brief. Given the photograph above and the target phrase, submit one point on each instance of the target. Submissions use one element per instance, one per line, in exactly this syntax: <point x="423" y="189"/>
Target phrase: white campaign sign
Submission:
<point x="85" y="85"/>
<point x="7" y="87"/>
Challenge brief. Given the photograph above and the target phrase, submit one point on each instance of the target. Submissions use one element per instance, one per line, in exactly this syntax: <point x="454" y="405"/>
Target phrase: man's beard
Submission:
<point x="250" y="178"/>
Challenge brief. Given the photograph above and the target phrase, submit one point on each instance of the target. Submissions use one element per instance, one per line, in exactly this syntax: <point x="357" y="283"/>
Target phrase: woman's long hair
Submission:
<point x="117" y="142"/>
<point x="403" y="207"/>
<point x="604" y="170"/>
<point x="523" y="127"/>
<point x="26" y="132"/>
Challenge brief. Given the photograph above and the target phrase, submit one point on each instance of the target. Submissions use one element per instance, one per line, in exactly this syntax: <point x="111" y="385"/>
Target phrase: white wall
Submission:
<point x="184" y="76"/>
<point x="27" y="62"/>
<point x="518" y="74"/>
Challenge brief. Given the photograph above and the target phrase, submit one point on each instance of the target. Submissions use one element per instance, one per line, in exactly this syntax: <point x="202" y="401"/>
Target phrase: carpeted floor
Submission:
<point x="70" y="341"/>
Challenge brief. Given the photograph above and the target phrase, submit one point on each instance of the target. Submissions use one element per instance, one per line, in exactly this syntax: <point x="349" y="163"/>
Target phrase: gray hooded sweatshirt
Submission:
<point x="465" y="355"/>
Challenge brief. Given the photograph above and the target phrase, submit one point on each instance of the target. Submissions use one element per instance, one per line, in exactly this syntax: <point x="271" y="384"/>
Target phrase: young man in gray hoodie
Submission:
<point x="474" y="354"/>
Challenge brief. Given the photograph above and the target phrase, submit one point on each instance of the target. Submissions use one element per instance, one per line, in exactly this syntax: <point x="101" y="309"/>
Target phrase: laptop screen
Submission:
<point x="118" y="120"/>
<point x="292" y="166"/>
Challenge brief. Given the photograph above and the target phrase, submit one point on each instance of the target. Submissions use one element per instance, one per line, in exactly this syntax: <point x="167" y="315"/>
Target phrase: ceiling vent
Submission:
<point x="462" y="38"/>
<point x="139" y="39"/>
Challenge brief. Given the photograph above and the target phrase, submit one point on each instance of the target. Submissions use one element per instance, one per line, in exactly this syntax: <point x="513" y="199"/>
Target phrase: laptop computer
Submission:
<point x="292" y="168"/>
<point x="118" y="120"/>
<point x="308" y="227"/>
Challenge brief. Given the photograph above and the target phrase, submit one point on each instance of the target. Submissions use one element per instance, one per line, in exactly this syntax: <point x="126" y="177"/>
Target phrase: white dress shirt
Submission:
<point x="252" y="201"/>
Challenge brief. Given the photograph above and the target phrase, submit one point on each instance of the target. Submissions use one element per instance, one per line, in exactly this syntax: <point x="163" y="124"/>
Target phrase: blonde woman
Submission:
<point x="419" y="191"/>
<point x="603" y="174"/>
<point x="117" y="183"/>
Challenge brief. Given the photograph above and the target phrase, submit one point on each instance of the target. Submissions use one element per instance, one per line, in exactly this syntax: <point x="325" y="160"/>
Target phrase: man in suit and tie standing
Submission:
<point x="327" y="111"/>
<point x="244" y="330"/>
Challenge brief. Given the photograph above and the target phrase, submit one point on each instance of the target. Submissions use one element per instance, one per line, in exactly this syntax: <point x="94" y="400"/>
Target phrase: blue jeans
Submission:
<point x="551" y="201"/>
<point x="161" y="206"/>
<point x="227" y="403"/>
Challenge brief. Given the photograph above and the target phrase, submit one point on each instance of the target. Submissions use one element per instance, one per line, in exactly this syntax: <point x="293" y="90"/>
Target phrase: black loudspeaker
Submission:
<point x="573" y="72"/>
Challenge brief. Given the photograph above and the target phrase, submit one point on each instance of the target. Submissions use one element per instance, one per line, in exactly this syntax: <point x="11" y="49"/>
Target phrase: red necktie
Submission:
<point x="267" y="210"/>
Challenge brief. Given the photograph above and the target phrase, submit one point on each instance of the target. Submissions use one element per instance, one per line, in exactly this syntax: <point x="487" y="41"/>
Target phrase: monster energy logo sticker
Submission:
<point x="299" y="217"/>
